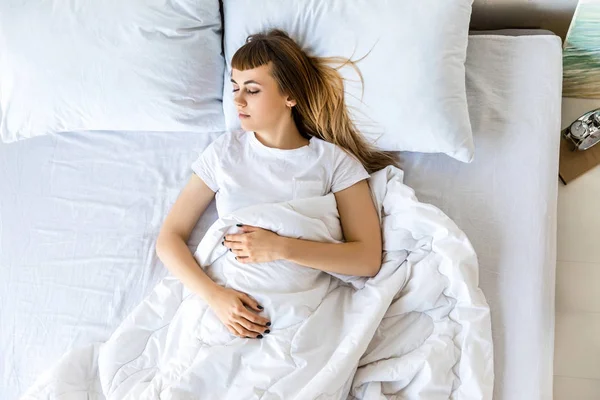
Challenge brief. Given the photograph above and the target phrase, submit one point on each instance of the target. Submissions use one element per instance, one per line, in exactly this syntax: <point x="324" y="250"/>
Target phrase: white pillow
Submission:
<point x="133" y="65"/>
<point x="414" y="79"/>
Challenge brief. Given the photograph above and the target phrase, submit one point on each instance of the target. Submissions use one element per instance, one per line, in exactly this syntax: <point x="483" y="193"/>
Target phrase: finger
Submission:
<point x="255" y="328"/>
<point x="246" y="332"/>
<point x="233" y="238"/>
<point x="233" y="245"/>
<point x="250" y="302"/>
<point x="242" y="230"/>
<point x="240" y="253"/>
<point x="248" y="228"/>
<point x="255" y="318"/>
<point x="233" y="330"/>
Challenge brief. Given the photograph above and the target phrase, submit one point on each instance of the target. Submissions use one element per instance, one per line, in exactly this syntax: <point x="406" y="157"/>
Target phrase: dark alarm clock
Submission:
<point x="584" y="132"/>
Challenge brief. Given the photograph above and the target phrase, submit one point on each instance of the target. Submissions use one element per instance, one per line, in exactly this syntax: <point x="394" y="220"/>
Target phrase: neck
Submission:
<point x="286" y="136"/>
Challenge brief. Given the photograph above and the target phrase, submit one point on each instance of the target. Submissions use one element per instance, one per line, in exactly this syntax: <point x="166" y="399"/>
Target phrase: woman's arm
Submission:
<point x="344" y="258"/>
<point x="228" y="304"/>
<point x="171" y="247"/>
<point x="361" y="254"/>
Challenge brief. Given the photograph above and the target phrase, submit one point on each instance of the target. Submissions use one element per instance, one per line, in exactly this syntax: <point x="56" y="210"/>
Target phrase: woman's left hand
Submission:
<point x="255" y="245"/>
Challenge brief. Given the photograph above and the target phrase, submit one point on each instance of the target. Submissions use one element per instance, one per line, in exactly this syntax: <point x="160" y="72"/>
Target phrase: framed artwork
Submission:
<point x="581" y="52"/>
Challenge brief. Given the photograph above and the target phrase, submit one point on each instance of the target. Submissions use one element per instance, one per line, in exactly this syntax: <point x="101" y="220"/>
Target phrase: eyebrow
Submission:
<point x="247" y="82"/>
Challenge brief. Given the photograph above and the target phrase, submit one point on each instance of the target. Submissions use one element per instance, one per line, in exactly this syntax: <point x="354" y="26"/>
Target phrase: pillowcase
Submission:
<point x="134" y="65"/>
<point x="414" y="78"/>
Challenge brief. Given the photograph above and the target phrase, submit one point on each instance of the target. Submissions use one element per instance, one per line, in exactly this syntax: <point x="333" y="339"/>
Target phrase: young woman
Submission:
<point x="297" y="140"/>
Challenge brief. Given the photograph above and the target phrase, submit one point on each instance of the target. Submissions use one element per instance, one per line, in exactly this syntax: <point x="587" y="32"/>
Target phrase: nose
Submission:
<point x="238" y="99"/>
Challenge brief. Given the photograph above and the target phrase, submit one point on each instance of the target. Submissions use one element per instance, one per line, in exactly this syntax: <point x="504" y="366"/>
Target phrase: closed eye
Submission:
<point x="248" y="91"/>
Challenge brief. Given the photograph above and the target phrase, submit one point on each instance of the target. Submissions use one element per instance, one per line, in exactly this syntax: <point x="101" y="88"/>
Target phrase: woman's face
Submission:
<point x="259" y="103"/>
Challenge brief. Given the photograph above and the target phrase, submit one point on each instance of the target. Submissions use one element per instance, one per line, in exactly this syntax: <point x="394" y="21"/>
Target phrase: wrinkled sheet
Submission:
<point x="419" y="329"/>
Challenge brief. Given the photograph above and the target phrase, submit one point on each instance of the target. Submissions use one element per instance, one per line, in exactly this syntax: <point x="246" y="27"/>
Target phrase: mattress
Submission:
<point x="80" y="213"/>
<point x="506" y="199"/>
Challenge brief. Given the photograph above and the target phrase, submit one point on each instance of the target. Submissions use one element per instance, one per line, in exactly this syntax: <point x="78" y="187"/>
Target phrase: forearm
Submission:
<point x="345" y="258"/>
<point x="177" y="258"/>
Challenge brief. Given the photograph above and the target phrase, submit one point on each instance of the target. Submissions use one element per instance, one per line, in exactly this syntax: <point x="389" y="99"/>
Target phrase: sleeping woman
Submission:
<point x="297" y="140"/>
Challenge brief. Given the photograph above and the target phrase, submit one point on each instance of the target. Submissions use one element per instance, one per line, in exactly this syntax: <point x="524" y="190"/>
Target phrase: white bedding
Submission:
<point x="80" y="212"/>
<point x="419" y="329"/>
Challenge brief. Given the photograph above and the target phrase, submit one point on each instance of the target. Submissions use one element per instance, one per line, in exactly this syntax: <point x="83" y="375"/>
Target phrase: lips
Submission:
<point x="242" y="115"/>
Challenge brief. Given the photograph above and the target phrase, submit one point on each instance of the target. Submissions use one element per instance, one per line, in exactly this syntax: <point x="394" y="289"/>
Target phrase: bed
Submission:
<point x="80" y="213"/>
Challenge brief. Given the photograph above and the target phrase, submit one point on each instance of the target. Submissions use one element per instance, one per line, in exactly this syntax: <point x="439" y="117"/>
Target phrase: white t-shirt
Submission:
<point x="243" y="172"/>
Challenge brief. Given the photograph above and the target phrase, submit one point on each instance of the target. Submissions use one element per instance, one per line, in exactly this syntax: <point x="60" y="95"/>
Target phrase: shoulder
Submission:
<point x="226" y="140"/>
<point x="331" y="150"/>
<point x="337" y="155"/>
<point x="227" y="137"/>
<point x="343" y="156"/>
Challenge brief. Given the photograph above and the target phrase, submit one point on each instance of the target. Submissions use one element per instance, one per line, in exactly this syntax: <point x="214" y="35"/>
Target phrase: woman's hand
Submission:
<point x="230" y="307"/>
<point x="255" y="245"/>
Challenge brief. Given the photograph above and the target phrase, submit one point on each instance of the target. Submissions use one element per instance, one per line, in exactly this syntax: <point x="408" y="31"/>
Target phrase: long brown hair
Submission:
<point x="318" y="90"/>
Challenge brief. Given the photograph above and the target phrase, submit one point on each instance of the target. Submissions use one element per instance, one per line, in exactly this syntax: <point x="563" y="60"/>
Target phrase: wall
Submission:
<point x="554" y="15"/>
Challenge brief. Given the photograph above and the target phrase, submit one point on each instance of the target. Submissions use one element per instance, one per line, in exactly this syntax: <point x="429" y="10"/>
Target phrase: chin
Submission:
<point x="246" y="125"/>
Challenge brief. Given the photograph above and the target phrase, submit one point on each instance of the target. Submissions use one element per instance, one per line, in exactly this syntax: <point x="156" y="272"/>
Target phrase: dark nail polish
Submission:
<point x="260" y="336"/>
<point x="267" y="331"/>
<point x="223" y="243"/>
<point x="248" y="337"/>
<point x="231" y="250"/>
<point x="268" y="324"/>
<point x="238" y="224"/>
<point x="260" y="307"/>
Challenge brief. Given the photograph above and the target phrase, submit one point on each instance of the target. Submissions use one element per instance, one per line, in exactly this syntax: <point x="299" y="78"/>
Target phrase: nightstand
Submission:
<point x="577" y="332"/>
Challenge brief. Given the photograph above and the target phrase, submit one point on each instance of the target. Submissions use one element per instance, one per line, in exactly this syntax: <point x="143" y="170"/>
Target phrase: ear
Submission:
<point x="290" y="102"/>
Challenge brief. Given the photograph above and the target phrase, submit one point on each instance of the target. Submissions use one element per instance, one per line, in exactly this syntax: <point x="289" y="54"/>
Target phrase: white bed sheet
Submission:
<point x="80" y="212"/>
<point x="506" y="199"/>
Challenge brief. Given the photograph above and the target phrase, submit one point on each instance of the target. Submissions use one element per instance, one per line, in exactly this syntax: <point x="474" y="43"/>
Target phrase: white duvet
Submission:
<point x="420" y="329"/>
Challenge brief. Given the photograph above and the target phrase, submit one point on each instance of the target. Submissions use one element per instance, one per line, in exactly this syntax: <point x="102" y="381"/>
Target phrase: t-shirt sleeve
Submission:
<point x="347" y="171"/>
<point x="206" y="165"/>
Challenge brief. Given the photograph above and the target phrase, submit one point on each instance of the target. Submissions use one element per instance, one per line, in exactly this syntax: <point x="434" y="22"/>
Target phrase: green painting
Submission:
<point x="581" y="54"/>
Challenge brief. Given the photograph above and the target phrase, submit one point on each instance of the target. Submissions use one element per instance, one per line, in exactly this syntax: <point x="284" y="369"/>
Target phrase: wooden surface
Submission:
<point x="554" y="15"/>
<point x="573" y="164"/>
